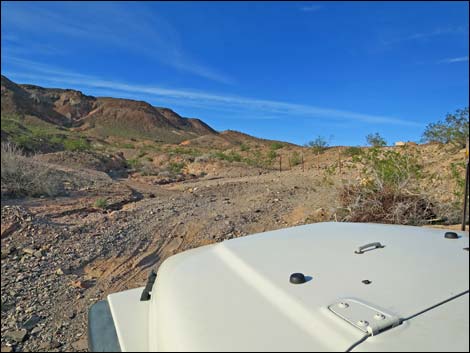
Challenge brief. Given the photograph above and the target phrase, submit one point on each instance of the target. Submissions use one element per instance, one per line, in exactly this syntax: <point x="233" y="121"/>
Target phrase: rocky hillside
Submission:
<point x="230" y="139"/>
<point x="99" y="116"/>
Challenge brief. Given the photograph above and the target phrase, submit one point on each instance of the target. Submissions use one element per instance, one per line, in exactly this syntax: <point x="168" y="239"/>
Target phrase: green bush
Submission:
<point x="34" y="135"/>
<point x="319" y="145"/>
<point x="80" y="144"/>
<point x="276" y="145"/>
<point x="352" y="151"/>
<point x="27" y="143"/>
<point x="177" y="150"/>
<point x="244" y="148"/>
<point x="271" y="156"/>
<point x="176" y="167"/>
<point x="388" y="190"/>
<point x="457" y="172"/>
<point x="375" y="140"/>
<point x="101" y="203"/>
<point x="453" y="130"/>
<point x="134" y="163"/>
<point x="295" y="159"/>
<point x="389" y="169"/>
<point x="256" y="159"/>
<point x="230" y="157"/>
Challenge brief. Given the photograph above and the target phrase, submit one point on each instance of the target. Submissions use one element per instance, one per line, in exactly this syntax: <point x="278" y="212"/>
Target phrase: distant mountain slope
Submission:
<point x="236" y="137"/>
<point x="229" y="138"/>
<point x="99" y="115"/>
<point x="16" y="99"/>
<point x="107" y="116"/>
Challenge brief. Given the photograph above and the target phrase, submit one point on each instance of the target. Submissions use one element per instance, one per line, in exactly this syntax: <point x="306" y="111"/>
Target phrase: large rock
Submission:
<point x="17" y="336"/>
<point x="31" y="322"/>
<point x="8" y="228"/>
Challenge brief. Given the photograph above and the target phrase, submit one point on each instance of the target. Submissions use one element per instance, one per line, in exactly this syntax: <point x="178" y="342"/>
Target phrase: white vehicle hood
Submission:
<point x="236" y="295"/>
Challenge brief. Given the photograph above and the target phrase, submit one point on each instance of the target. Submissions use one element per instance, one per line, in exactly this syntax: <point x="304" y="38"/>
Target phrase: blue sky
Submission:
<point x="282" y="70"/>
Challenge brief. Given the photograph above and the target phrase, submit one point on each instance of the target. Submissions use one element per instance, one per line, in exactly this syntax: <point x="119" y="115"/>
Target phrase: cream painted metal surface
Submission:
<point x="443" y="329"/>
<point x="366" y="318"/>
<point x="236" y="295"/>
<point x="131" y="317"/>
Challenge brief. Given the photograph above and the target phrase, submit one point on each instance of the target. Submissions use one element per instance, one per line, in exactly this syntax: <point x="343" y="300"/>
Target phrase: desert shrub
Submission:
<point x="134" y="163"/>
<point x="33" y="136"/>
<point x="319" y="145"/>
<point x="352" y="151"/>
<point x="390" y="169"/>
<point x="244" y="148"/>
<point x="270" y="157"/>
<point x="235" y="157"/>
<point x="454" y="129"/>
<point x="177" y="150"/>
<point x="451" y="209"/>
<point x="80" y="144"/>
<point x="457" y="173"/>
<point x="388" y="190"/>
<point x="101" y="203"/>
<point x="328" y="174"/>
<point x="256" y="159"/>
<point x="295" y="159"/>
<point x="219" y="155"/>
<point x="176" y="167"/>
<point x="385" y="206"/>
<point x="27" y="142"/>
<point x="375" y="140"/>
<point x="230" y="157"/>
<point x="57" y="140"/>
<point x="32" y="141"/>
<point x="276" y="145"/>
<point x="22" y="176"/>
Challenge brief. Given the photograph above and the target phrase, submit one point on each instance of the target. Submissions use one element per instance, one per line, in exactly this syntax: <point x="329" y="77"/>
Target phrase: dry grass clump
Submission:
<point x="385" y="206"/>
<point x="22" y="176"/>
<point x="387" y="191"/>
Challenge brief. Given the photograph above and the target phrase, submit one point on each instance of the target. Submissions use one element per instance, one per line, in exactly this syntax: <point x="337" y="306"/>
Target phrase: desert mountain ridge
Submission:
<point x="108" y="116"/>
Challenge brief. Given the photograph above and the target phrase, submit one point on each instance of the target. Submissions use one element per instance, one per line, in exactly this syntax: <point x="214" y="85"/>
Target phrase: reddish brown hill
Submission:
<point x="106" y="116"/>
<point x="70" y="104"/>
<point x="231" y="138"/>
<point x="236" y="137"/>
<point x="16" y="99"/>
<point x="101" y="116"/>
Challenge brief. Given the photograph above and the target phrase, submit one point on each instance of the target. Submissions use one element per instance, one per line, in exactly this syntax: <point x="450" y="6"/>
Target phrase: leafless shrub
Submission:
<point x="388" y="190"/>
<point x="385" y="206"/>
<point x="22" y="176"/>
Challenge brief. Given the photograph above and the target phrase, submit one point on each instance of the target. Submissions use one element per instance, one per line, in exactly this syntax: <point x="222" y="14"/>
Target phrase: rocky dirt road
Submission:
<point x="61" y="255"/>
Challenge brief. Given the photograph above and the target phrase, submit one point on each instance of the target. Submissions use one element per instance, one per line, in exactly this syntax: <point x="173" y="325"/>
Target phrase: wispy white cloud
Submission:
<point x="39" y="72"/>
<point x="453" y="60"/>
<point x="311" y="7"/>
<point x="106" y="25"/>
<point x="440" y="31"/>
